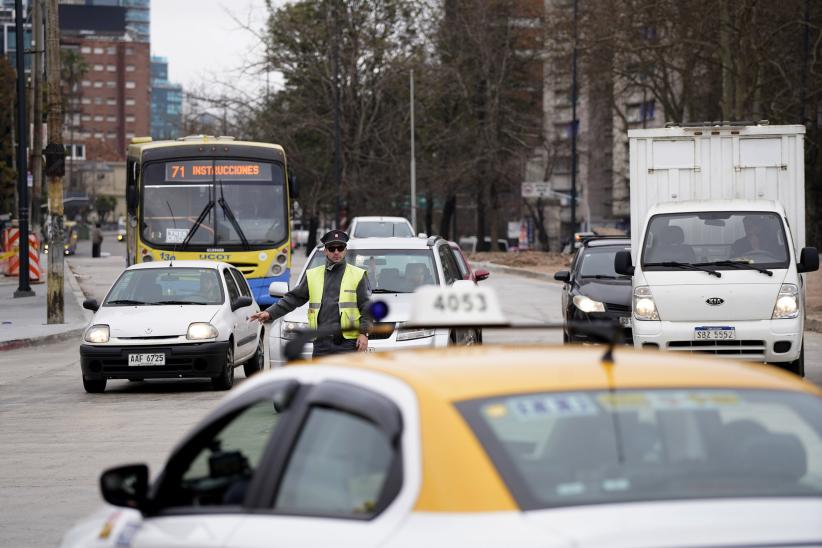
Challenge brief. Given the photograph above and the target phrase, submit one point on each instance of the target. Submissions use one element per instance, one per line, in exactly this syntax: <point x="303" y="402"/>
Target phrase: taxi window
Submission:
<point x="339" y="467"/>
<point x="163" y="285"/>
<point x="565" y="449"/>
<point x="223" y="463"/>
<point x="233" y="292"/>
<point x="449" y="265"/>
<point x="242" y="285"/>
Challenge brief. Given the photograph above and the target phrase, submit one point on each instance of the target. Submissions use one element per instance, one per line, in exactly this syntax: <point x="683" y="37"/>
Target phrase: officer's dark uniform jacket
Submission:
<point x="329" y="312"/>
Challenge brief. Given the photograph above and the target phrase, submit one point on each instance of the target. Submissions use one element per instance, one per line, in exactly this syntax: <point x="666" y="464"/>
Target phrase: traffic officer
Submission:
<point x="337" y="294"/>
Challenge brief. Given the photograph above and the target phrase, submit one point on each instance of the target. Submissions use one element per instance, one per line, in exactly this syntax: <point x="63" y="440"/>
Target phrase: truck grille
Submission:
<point x="746" y="348"/>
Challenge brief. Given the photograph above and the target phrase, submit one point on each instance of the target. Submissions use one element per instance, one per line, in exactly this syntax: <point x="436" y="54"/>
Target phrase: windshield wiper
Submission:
<point x="383" y="290"/>
<point x="179" y="302"/>
<point x="125" y="301"/>
<point x="230" y="214"/>
<point x="197" y="224"/>
<point x="685" y="266"/>
<point x="604" y="277"/>
<point x="738" y="264"/>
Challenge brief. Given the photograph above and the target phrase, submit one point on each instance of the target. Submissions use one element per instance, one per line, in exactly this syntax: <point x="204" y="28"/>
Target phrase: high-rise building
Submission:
<point x="138" y="15"/>
<point x="8" y="34"/>
<point x="166" y="102"/>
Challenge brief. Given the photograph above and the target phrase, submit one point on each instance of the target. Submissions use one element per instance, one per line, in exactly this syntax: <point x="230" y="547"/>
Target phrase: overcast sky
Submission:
<point x="204" y="43"/>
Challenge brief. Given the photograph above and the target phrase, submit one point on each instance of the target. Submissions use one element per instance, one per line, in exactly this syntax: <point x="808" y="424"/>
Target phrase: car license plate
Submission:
<point x="625" y="321"/>
<point x="714" y="333"/>
<point x="146" y="359"/>
<point x="370" y="349"/>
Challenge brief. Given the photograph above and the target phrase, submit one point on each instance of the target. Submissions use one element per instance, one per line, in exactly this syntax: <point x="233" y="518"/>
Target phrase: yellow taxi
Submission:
<point x="540" y="446"/>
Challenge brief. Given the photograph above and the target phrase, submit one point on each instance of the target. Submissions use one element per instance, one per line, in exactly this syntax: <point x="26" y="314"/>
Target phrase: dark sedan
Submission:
<point x="593" y="290"/>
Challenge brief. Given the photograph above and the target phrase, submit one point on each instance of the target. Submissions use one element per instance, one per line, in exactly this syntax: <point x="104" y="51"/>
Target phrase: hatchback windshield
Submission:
<point x="716" y="237"/>
<point x="390" y="270"/>
<point x="599" y="262"/>
<point x="149" y="286"/>
<point x="561" y="449"/>
<point x="381" y="229"/>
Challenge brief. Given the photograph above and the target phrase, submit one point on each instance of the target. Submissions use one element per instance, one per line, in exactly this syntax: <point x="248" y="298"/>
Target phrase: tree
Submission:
<point x="104" y="205"/>
<point x="8" y="175"/>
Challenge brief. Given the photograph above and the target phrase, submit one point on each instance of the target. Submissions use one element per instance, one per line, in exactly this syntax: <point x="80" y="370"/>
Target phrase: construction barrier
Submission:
<point x="11" y="252"/>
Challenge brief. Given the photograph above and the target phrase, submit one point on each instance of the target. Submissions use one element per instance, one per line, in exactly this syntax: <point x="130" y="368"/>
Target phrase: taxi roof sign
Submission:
<point x="460" y="304"/>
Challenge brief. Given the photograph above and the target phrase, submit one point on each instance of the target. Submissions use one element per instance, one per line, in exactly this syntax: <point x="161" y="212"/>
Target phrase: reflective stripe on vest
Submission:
<point x="349" y="313"/>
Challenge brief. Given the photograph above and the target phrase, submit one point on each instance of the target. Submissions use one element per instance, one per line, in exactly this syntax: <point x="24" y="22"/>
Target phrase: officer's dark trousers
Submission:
<point x="95" y="250"/>
<point x="324" y="346"/>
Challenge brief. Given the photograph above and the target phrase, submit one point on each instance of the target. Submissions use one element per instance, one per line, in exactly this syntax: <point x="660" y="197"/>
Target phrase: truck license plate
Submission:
<point x="714" y="333"/>
<point x="146" y="359"/>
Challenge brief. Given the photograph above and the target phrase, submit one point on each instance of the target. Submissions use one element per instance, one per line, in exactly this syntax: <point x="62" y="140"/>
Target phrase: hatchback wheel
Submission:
<point x="225" y="380"/>
<point x="257" y="361"/>
<point x="94" y="386"/>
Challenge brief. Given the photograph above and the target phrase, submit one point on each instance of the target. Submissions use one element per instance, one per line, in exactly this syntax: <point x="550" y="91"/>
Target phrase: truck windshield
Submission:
<point x="177" y="193"/>
<point x="721" y="239"/>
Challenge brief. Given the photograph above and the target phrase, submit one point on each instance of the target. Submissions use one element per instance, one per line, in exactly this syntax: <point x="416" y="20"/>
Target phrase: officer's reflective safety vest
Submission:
<point x="349" y="313"/>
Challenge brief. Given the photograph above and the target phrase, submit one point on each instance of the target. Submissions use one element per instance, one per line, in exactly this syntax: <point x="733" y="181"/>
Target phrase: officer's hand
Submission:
<point x="362" y="343"/>
<point x="261" y="316"/>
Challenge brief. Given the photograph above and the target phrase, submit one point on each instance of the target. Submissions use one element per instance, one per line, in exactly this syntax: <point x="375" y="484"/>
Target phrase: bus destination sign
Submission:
<point x="227" y="170"/>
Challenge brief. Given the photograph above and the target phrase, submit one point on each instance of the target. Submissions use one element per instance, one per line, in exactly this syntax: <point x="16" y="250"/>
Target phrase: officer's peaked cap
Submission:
<point x="334" y="236"/>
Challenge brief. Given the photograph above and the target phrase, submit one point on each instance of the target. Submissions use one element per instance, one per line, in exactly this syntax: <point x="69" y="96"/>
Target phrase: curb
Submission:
<point x="813" y="324"/>
<point x="514" y="271"/>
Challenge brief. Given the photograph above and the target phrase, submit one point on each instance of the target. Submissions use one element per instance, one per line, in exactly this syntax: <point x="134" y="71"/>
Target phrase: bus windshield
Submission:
<point x="213" y="202"/>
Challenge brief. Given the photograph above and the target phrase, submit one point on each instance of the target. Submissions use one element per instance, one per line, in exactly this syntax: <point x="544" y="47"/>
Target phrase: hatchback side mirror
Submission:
<point x="91" y="304"/>
<point x="241" y="302"/>
<point x="808" y="260"/>
<point x="277" y="289"/>
<point x="126" y="486"/>
<point x="562" y="276"/>
<point x="481" y="274"/>
<point x="623" y="264"/>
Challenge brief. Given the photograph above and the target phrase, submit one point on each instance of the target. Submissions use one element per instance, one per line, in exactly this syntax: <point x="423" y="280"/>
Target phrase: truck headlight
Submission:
<point x="787" y="303"/>
<point x="587" y="305"/>
<point x="290" y="329"/>
<point x="98" y="333"/>
<point x="644" y="305"/>
<point x="411" y="333"/>
<point x="199" y="331"/>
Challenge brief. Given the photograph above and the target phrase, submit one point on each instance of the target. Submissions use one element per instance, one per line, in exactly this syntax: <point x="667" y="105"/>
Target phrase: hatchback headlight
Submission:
<point x="290" y="329"/>
<point x="787" y="303"/>
<point x="98" y="333"/>
<point x="199" y="331"/>
<point x="644" y="305"/>
<point x="587" y="305"/>
<point x="411" y="333"/>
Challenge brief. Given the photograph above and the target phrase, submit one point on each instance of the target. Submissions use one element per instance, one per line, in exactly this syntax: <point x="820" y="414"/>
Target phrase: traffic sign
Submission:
<point x="537" y="189"/>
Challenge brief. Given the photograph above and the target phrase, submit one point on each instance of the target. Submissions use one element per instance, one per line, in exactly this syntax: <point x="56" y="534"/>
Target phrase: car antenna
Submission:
<point x="173" y="251"/>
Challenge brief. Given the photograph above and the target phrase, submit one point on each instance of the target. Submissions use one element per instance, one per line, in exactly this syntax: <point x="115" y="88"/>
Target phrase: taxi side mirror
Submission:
<point x="126" y="486"/>
<point x="623" y="264"/>
<point x="562" y="276"/>
<point x="481" y="274"/>
<point x="241" y="302"/>
<point x="808" y="260"/>
<point x="278" y="289"/>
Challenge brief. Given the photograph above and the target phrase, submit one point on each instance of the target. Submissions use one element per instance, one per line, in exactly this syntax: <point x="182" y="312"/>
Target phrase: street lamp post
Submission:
<point x="413" y="162"/>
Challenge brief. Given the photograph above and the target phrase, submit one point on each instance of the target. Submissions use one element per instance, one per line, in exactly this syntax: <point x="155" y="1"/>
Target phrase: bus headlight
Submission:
<point x="98" y="333"/>
<point x="199" y="331"/>
<point x="644" y="305"/>
<point x="289" y="329"/>
<point x="276" y="269"/>
<point x="787" y="303"/>
<point x="587" y="305"/>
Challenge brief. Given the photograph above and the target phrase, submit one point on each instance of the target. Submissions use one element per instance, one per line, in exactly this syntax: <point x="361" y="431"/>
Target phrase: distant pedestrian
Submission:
<point x="96" y="240"/>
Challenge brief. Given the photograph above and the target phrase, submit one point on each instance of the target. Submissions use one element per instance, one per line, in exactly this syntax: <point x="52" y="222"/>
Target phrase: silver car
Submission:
<point x="395" y="267"/>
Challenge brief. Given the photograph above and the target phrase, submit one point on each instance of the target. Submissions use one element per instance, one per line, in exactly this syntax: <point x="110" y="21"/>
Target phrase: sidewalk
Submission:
<point x="813" y="290"/>
<point x="23" y="320"/>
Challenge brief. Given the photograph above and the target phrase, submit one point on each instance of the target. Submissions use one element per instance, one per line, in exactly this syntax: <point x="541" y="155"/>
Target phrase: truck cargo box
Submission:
<point x="760" y="162"/>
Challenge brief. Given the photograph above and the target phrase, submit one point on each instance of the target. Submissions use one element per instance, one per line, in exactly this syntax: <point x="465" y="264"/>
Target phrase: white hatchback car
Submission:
<point x="395" y="268"/>
<point x="380" y="227"/>
<point x="180" y="319"/>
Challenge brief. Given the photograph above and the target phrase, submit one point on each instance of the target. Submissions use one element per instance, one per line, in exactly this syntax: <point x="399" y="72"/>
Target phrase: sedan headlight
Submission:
<point x="644" y="305"/>
<point x="98" y="333"/>
<point x="411" y="333"/>
<point x="199" y="331"/>
<point x="290" y="329"/>
<point x="787" y="303"/>
<point x="587" y="305"/>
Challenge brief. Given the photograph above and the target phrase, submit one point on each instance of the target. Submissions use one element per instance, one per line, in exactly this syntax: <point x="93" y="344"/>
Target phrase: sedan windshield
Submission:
<point x="208" y="203"/>
<point x="382" y="229"/>
<point x="390" y="270"/>
<point x="564" y="449"/>
<point x="598" y="262"/>
<point x="720" y="240"/>
<point x="175" y="285"/>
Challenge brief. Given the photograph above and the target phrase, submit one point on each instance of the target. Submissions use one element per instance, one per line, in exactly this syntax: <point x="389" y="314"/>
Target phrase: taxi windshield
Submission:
<point x="152" y="286"/>
<point x="390" y="270"/>
<point x="597" y="447"/>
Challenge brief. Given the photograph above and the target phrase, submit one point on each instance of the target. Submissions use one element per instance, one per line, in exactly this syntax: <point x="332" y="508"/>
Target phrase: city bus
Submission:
<point x="211" y="198"/>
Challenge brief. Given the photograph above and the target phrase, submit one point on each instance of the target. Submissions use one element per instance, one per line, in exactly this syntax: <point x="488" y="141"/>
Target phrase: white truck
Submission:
<point x="717" y="241"/>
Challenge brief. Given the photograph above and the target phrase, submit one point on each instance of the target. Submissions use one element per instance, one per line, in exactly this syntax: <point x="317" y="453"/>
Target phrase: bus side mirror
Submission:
<point x="808" y="260"/>
<point x="623" y="264"/>
<point x="292" y="186"/>
<point x="131" y="198"/>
